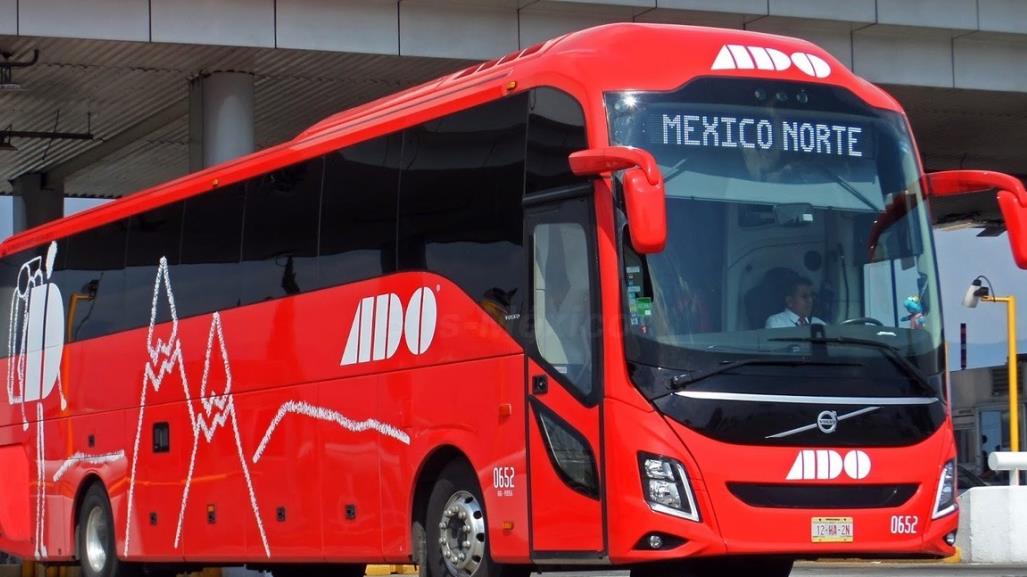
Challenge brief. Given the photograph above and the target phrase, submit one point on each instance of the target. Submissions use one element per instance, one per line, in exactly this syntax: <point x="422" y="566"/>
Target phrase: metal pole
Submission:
<point x="1014" y="380"/>
<point x="1014" y="387"/>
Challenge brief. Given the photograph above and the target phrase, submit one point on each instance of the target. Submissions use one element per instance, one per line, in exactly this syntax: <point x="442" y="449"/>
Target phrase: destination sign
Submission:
<point x="726" y="131"/>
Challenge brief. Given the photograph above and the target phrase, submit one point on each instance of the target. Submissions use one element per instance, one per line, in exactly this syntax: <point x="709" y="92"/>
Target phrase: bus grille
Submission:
<point x="822" y="496"/>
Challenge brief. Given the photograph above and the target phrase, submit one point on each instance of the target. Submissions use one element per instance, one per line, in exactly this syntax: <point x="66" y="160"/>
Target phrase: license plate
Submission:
<point x="831" y="530"/>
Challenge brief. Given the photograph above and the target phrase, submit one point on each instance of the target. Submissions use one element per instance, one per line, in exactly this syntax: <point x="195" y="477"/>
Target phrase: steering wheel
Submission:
<point x="863" y="321"/>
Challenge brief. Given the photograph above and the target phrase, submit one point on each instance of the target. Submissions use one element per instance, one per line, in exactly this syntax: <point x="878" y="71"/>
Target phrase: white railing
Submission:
<point x="1008" y="461"/>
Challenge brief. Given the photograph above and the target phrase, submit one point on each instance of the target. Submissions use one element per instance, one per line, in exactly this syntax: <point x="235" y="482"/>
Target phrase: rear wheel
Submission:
<point x="453" y="541"/>
<point x="97" y="550"/>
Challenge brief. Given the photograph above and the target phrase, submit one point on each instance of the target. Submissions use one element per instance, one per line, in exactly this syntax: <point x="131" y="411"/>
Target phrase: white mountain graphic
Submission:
<point x="218" y="409"/>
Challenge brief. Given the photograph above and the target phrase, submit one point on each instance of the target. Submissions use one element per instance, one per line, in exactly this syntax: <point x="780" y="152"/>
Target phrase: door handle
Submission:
<point x="539" y="384"/>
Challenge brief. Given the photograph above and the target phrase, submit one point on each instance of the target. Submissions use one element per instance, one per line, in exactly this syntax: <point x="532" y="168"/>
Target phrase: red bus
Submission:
<point x="575" y="305"/>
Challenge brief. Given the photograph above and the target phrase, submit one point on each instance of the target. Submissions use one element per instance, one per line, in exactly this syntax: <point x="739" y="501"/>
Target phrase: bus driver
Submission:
<point x="798" y="306"/>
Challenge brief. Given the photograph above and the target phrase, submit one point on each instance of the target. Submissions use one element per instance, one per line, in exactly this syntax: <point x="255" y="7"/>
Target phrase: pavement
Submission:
<point x="885" y="569"/>
<point x="861" y="569"/>
<point x="802" y="569"/>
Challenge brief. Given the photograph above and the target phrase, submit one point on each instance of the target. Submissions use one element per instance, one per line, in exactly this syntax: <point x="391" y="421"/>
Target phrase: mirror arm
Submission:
<point x="596" y="161"/>
<point x="954" y="182"/>
<point x="1010" y="195"/>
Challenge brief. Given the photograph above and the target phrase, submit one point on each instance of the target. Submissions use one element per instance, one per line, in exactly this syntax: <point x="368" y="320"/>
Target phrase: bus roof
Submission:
<point x="625" y="56"/>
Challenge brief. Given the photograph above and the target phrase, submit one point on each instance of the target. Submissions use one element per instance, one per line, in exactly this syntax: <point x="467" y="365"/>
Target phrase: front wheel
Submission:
<point x="455" y="530"/>
<point x="97" y="550"/>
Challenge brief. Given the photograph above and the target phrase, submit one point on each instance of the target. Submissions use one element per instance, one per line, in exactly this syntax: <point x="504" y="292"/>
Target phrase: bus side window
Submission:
<point x="358" y="212"/>
<point x="13" y="314"/>
<point x="280" y="232"/>
<point x="562" y="302"/>
<point x="152" y="235"/>
<point x="460" y="204"/>
<point x="556" y="128"/>
<point x="207" y="279"/>
<point x="8" y="280"/>
<point x="94" y="268"/>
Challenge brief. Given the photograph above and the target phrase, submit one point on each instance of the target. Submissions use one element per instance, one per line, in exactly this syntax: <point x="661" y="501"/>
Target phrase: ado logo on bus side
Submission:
<point x="381" y="322"/>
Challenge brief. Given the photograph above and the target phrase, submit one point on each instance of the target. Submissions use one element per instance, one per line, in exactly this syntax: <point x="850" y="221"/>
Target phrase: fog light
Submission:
<point x="656" y="542"/>
<point x="950" y="539"/>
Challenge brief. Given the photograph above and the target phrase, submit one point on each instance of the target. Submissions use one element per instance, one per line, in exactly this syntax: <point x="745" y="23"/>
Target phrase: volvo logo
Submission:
<point x="827" y="422"/>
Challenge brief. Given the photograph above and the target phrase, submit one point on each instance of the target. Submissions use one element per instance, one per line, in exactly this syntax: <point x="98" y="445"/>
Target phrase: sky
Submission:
<point x="961" y="257"/>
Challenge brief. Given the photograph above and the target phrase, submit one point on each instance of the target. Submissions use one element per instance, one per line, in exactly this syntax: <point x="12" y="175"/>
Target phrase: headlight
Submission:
<point x="945" y="502"/>
<point x="666" y="487"/>
<point x="664" y="493"/>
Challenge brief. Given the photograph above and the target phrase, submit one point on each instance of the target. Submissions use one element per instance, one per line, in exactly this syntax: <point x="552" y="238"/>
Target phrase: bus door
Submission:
<point x="563" y="377"/>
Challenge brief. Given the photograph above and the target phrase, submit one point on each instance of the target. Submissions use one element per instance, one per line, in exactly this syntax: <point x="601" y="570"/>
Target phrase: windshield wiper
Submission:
<point x="847" y="186"/>
<point x="889" y="351"/>
<point x="675" y="171"/>
<point x="682" y="381"/>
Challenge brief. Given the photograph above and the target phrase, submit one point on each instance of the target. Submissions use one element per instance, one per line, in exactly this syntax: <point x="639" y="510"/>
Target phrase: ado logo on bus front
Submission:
<point x="737" y="57"/>
<point x="823" y="464"/>
<point x="380" y="322"/>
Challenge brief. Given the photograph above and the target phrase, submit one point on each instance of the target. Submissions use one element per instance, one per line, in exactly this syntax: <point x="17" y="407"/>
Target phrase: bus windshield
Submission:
<point x="796" y="227"/>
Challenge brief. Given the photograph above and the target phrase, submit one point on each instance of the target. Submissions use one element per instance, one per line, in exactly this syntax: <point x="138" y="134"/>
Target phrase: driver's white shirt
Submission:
<point x="787" y="318"/>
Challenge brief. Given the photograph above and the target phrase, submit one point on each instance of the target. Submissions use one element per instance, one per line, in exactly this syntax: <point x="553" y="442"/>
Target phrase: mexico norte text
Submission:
<point x="709" y="131"/>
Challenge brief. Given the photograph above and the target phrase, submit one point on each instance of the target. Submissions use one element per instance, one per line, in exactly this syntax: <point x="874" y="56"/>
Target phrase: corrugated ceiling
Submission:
<point x="105" y="87"/>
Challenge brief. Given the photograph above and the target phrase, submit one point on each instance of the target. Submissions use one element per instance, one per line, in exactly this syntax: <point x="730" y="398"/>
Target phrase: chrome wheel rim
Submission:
<point x="462" y="534"/>
<point x="96" y="531"/>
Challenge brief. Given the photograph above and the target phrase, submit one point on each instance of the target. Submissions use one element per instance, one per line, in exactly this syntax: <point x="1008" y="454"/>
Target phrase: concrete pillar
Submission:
<point x="220" y="118"/>
<point x="36" y="201"/>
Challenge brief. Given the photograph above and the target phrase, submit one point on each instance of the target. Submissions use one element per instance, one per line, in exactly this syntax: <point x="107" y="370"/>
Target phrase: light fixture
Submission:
<point x="5" y="141"/>
<point x="7" y="83"/>
<point x="975" y="292"/>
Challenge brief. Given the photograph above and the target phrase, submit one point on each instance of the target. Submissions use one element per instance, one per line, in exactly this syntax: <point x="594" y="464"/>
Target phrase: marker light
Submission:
<point x="666" y="487"/>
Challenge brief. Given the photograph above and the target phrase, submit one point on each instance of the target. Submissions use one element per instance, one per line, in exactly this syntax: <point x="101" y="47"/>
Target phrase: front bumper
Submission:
<point x="902" y="527"/>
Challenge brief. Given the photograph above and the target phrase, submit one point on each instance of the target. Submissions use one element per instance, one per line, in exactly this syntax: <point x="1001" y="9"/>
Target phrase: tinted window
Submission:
<point x="207" y="278"/>
<point x="460" y="202"/>
<point x="562" y="300"/>
<point x="15" y="272"/>
<point x="8" y="280"/>
<point x="556" y="128"/>
<point x="358" y="213"/>
<point x="152" y="235"/>
<point x="280" y="232"/>
<point x="90" y="271"/>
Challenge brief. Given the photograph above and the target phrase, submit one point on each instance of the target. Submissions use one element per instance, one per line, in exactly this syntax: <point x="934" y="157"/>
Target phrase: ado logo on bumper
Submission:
<point x="823" y="464"/>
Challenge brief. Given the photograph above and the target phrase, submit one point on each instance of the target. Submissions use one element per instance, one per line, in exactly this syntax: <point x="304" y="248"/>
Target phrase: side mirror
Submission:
<point x="984" y="199"/>
<point x="644" y="195"/>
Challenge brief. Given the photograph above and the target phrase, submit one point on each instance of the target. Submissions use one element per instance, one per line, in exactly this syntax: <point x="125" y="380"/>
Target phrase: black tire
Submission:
<point x="457" y="487"/>
<point x="97" y="549"/>
<point x="318" y="570"/>
<point x="718" y="567"/>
